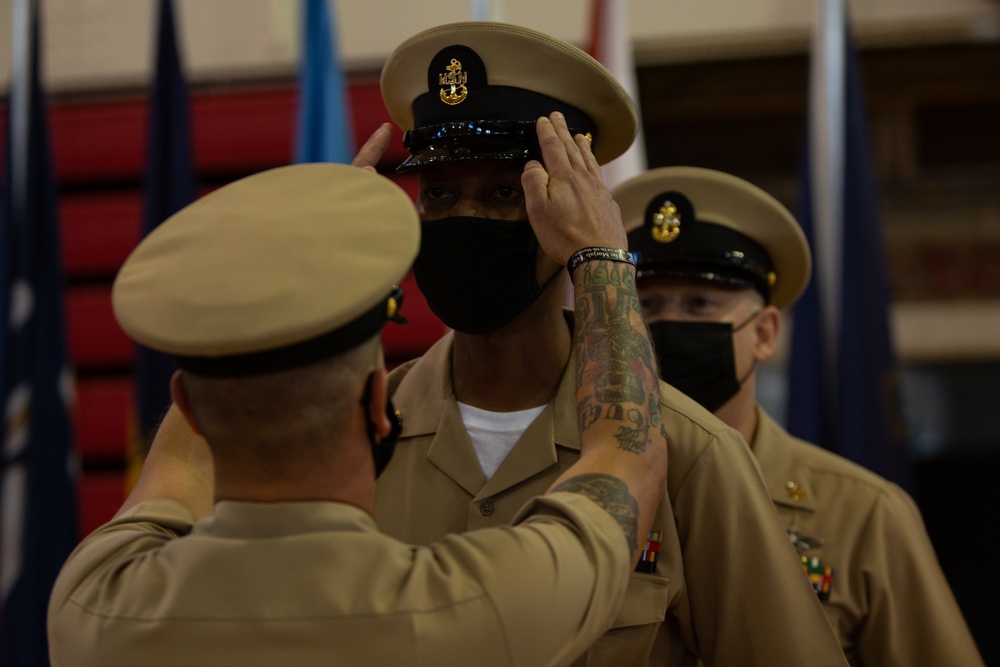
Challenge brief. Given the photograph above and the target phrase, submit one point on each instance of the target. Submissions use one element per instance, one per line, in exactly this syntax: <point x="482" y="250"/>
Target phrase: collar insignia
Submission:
<point x="795" y="491"/>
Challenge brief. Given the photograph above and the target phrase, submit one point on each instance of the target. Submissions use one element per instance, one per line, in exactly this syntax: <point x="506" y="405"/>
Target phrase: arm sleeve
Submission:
<point x="913" y="618"/>
<point x="748" y="599"/>
<point x="145" y="527"/>
<point x="555" y="578"/>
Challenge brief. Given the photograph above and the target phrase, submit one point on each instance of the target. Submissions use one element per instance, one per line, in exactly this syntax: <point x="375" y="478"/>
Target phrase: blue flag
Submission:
<point x="324" y="131"/>
<point x="37" y="464"/>
<point x="847" y="400"/>
<point x="169" y="187"/>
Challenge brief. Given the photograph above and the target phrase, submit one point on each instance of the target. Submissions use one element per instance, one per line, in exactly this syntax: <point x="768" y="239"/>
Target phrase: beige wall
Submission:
<point x="101" y="44"/>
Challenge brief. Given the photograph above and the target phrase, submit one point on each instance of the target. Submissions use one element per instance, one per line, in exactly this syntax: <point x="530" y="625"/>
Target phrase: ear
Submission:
<point x="180" y="396"/>
<point x="378" y="397"/>
<point x="767" y="327"/>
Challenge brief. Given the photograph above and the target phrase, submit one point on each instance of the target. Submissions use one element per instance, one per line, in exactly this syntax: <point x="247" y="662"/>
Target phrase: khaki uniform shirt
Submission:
<point x="316" y="584"/>
<point x="889" y="601"/>
<point x="727" y="587"/>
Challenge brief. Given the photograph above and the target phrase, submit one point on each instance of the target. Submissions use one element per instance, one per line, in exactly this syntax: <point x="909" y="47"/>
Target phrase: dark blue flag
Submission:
<point x="324" y="131"/>
<point x="37" y="466"/>
<point x="169" y="186"/>
<point x="845" y="398"/>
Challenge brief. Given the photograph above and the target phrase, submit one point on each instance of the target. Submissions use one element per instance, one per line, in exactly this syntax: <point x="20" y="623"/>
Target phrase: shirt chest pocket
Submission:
<point x="645" y="601"/>
<point x="631" y="637"/>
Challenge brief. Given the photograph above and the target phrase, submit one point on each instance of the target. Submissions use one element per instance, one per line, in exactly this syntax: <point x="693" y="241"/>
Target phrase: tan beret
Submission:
<point x="276" y="269"/>
<point x="702" y="223"/>
<point x="473" y="91"/>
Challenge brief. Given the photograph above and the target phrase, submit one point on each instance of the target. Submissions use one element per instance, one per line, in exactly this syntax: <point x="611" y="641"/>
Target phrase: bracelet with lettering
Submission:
<point x="586" y="254"/>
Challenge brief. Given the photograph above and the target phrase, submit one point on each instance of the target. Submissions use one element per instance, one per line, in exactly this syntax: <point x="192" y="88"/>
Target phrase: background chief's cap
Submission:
<point x="701" y="223"/>
<point x="275" y="270"/>
<point x="475" y="89"/>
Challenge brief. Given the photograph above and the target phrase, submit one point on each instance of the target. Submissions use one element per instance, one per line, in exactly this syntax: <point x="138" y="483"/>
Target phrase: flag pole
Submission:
<point x="826" y="137"/>
<point x="13" y="480"/>
<point x="23" y="16"/>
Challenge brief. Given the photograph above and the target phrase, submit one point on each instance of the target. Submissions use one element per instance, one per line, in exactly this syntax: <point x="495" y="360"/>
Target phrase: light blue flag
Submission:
<point x="324" y="132"/>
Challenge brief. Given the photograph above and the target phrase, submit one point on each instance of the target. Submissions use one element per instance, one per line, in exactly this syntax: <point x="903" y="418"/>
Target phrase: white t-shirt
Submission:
<point x="493" y="434"/>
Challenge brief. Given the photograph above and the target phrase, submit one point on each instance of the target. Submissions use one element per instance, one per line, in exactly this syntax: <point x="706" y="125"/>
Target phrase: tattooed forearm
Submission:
<point x="604" y="281"/>
<point x="587" y="412"/>
<point x="613" y="495"/>
<point x="633" y="438"/>
<point x="616" y="370"/>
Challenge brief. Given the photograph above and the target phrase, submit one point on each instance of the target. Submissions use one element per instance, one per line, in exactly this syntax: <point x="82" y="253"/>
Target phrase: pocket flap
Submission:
<point x="645" y="601"/>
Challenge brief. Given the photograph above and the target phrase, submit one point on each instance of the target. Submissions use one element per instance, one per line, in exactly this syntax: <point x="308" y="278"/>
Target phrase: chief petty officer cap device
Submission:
<point x="699" y="223"/>
<point x="273" y="271"/>
<point x="474" y="90"/>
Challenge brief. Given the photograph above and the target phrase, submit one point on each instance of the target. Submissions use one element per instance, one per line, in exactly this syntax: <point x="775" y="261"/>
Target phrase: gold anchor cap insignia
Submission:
<point x="666" y="223"/>
<point x="452" y="82"/>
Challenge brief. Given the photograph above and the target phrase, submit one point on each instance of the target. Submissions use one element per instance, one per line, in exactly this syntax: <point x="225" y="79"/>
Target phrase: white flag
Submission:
<point x="611" y="45"/>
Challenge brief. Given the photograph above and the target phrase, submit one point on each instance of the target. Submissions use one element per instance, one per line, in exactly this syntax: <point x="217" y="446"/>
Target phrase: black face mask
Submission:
<point x="478" y="274"/>
<point x="697" y="358"/>
<point x="382" y="450"/>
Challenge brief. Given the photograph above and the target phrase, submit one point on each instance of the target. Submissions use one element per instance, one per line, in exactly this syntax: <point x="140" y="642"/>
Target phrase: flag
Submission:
<point x="169" y="185"/>
<point x="843" y="380"/>
<point x="38" y="518"/>
<point x="611" y="45"/>
<point x="487" y="10"/>
<point x="324" y="129"/>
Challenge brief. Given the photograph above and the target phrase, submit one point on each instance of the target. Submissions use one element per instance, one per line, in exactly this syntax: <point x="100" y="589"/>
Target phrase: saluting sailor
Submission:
<point x="490" y="411"/>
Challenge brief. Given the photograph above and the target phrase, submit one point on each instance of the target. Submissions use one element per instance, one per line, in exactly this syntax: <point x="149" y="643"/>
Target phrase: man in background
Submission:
<point x="718" y="260"/>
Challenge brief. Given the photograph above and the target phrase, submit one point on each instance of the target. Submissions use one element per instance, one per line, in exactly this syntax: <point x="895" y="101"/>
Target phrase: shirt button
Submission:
<point x="487" y="509"/>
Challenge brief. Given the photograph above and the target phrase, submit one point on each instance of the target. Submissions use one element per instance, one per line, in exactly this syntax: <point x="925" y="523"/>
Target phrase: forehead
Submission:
<point x="673" y="285"/>
<point x="472" y="170"/>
